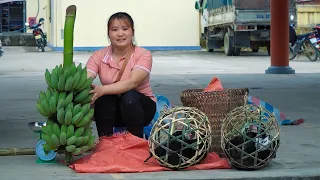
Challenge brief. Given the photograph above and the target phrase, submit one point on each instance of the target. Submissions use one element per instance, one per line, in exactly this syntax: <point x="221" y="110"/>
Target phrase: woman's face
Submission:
<point x="120" y="33"/>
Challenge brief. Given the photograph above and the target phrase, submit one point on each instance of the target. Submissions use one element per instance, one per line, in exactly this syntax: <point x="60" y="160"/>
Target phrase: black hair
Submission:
<point x="121" y="16"/>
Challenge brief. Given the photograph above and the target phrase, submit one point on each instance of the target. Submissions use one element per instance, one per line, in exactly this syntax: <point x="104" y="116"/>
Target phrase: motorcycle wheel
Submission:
<point x="41" y="45"/>
<point x="309" y="48"/>
<point x="42" y="48"/>
<point x="292" y="54"/>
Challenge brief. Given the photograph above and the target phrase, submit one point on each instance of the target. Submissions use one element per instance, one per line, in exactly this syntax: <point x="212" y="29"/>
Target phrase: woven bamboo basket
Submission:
<point x="216" y="105"/>
<point x="250" y="137"/>
<point x="180" y="138"/>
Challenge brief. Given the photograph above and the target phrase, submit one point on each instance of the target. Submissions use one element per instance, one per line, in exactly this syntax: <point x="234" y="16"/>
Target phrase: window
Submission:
<point x="12" y="16"/>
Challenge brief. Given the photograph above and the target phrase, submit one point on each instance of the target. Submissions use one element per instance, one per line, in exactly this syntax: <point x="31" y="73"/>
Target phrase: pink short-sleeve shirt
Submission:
<point x="101" y="63"/>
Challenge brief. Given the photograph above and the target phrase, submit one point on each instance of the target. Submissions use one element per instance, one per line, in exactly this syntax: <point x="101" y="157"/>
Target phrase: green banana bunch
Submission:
<point x="83" y="97"/>
<point x="47" y="103"/>
<point x="51" y="134"/>
<point x="77" y="115"/>
<point x="80" y="141"/>
<point x="74" y="140"/>
<point x="70" y="78"/>
<point x="51" y="100"/>
<point x="66" y="102"/>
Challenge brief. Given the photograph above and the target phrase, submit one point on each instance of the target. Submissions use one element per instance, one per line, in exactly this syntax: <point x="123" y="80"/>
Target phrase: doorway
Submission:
<point x="12" y="15"/>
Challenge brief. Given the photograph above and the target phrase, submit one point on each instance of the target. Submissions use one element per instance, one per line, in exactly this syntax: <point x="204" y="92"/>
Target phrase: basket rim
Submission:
<point x="229" y="92"/>
<point x="224" y="90"/>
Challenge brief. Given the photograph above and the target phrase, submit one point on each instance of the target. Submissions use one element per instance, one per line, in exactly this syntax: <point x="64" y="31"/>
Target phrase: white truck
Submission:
<point x="236" y="24"/>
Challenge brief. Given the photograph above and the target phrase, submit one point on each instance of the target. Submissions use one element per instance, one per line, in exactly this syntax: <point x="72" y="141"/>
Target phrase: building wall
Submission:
<point x="41" y="10"/>
<point x="310" y="2"/>
<point x="158" y="24"/>
<point x="308" y="15"/>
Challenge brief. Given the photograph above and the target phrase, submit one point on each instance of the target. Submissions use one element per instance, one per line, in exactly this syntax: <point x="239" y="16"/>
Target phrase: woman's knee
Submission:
<point x="130" y="98"/>
<point x="105" y="104"/>
<point x="137" y="109"/>
<point x="131" y="108"/>
<point x="105" y="99"/>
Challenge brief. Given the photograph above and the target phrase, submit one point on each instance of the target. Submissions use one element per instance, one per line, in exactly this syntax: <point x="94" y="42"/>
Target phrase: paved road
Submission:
<point x="22" y="77"/>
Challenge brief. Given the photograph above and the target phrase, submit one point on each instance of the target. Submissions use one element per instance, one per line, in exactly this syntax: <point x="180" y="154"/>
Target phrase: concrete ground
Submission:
<point x="22" y="77"/>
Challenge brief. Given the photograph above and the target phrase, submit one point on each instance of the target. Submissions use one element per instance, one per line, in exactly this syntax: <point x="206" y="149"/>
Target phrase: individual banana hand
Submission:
<point x="71" y="78"/>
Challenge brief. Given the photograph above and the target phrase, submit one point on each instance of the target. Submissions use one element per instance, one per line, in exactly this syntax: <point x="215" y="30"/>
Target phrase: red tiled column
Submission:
<point x="279" y="38"/>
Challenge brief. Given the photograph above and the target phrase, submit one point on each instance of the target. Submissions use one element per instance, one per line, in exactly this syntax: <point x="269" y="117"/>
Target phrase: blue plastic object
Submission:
<point x="41" y="153"/>
<point x="162" y="104"/>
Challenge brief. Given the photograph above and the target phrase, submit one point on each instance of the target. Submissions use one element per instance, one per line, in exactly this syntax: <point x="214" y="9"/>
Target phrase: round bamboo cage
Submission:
<point x="180" y="138"/>
<point x="250" y="137"/>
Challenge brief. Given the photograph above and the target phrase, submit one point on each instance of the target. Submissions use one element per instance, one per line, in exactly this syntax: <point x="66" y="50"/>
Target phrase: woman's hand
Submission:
<point x="97" y="92"/>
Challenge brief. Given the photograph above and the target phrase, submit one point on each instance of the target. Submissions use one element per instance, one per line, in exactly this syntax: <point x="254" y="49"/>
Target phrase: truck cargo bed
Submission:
<point x="251" y="4"/>
<point x="243" y="4"/>
<point x="240" y="11"/>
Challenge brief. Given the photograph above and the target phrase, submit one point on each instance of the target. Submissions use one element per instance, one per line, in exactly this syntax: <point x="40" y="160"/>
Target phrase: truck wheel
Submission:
<point x="237" y="51"/>
<point x="209" y="50"/>
<point x="228" y="47"/>
<point x="268" y="48"/>
<point x="255" y="49"/>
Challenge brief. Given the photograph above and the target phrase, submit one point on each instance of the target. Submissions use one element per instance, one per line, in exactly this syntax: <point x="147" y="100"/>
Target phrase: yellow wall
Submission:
<point x="44" y="12"/>
<point x="157" y="22"/>
<point x="308" y="15"/>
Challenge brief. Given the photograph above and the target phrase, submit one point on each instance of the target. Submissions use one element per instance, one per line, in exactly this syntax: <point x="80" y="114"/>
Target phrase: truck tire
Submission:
<point x="207" y="34"/>
<point x="237" y="51"/>
<point x="268" y="48"/>
<point x="228" y="45"/>
<point x="207" y="47"/>
<point x="255" y="50"/>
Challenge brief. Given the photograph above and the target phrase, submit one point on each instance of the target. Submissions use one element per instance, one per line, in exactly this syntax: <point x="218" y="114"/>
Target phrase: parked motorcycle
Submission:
<point x="41" y="39"/>
<point x="317" y="44"/>
<point x="302" y="44"/>
<point x="1" y="49"/>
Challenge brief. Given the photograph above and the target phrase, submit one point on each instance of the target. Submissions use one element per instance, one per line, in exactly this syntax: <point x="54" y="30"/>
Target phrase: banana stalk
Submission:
<point x="71" y="12"/>
<point x="68" y="158"/>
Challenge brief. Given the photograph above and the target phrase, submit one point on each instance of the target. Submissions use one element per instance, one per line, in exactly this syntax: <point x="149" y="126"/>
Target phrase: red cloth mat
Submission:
<point x="124" y="153"/>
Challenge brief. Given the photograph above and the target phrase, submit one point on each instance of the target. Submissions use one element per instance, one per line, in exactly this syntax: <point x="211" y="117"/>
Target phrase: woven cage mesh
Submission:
<point x="250" y="137"/>
<point x="181" y="137"/>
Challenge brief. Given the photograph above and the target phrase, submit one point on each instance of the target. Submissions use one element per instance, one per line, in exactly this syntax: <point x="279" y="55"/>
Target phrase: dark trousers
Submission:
<point x="131" y="109"/>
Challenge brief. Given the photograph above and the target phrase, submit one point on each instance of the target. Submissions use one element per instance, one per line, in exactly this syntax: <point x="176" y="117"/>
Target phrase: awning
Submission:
<point x="5" y="1"/>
